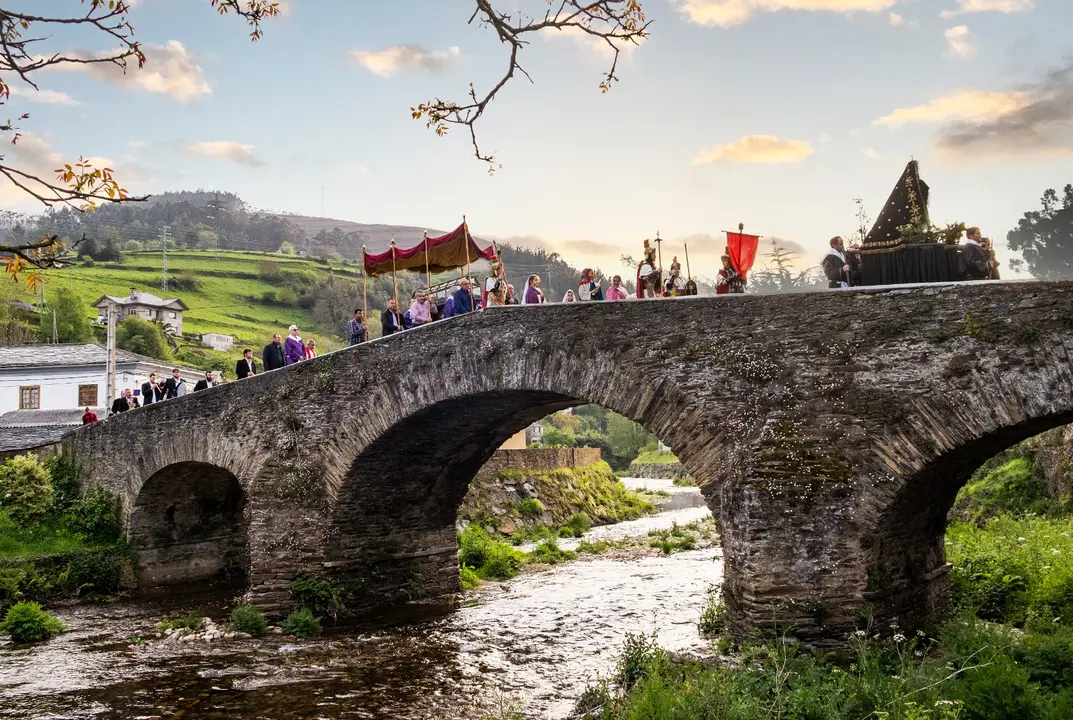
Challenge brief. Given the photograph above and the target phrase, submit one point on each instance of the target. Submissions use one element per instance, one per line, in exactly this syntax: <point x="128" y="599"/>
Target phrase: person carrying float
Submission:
<point x="676" y="284"/>
<point x="648" y="275"/>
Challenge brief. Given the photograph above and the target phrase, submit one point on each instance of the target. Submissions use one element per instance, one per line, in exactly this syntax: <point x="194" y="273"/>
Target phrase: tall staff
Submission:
<point x="394" y="277"/>
<point x="659" y="255"/>
<point x="428" y="275"/>
<point x="364" y="289"/>
<point x="469" y="273"/>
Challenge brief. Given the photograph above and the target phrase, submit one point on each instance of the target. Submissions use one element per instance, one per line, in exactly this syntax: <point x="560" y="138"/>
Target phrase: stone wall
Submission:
<point x="828" y="431"/>
<point x="541" y="459"/>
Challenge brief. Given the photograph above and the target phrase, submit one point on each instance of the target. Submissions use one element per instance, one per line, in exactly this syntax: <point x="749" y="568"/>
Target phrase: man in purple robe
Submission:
<point x="294" y="350"/>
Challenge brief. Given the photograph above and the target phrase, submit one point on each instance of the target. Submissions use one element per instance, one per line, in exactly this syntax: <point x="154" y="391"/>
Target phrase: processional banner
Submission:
<point x="742" y="251"/>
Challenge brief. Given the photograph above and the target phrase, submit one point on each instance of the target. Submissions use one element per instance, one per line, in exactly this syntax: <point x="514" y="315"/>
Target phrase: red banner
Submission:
<point x="742" y="251"/>
<point x="454" y="250"/>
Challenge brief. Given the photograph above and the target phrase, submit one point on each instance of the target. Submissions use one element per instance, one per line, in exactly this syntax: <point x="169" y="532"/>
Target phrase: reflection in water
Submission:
<point x="539" y="638"/>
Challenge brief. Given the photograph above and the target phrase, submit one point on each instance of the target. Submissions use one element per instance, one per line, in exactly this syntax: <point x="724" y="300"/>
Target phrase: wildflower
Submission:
<point x="1055" y="551"/>
<point x="1020" y="539"/>
<point x="861" y="633"/>
<point x="899" y="638"/>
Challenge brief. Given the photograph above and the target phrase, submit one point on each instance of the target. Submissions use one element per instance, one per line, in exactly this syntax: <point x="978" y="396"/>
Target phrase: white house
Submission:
<point x="66" y="376"/>
<point x="217" y="341"/>
<point x="147" y="306"/>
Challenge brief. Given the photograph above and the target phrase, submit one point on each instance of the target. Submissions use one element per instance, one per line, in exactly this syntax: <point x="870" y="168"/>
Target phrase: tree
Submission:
<point x="625" y="437"/>
<point x="72" y="321"/>
<point x="140" y="336"/>
<point x="1044" y="237"/>
<point x="25" y="50"/>
<point x="778" y="275"/>
<point x="616" y="22"/>
<point x="333" y="305"/>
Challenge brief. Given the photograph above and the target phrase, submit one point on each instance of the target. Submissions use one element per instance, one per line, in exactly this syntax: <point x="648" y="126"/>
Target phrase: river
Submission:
<point x="537" y="640"/>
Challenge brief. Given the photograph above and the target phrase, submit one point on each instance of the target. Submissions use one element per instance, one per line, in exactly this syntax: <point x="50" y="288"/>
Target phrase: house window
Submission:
<point x="87" y="396"/>
<point x="30" y="397"/>
<point x="171" y="315"/>
<point x="132" y="312"/>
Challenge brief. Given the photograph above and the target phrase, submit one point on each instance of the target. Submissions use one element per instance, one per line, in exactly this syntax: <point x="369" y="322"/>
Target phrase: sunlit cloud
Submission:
<point x="979" y="6"/>
<point x="386" y="63"/>
<point x="727" y="13"/>
<point x="757" y="149"/>
<point x="958" y="41"/>
<point x="169" y="69"/>
<point x="969" y="106"/>
<point x="235" y="152"/>
<point x="47" y="97"/>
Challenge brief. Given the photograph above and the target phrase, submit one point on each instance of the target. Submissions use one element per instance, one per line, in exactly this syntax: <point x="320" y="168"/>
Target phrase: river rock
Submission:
<point x="242" y="636"/>
<point x="276" y="630"/>
<point x="229" y="636"/>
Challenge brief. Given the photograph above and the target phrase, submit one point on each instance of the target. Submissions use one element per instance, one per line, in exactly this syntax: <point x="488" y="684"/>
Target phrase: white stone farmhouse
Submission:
<point x="146" y="306"/>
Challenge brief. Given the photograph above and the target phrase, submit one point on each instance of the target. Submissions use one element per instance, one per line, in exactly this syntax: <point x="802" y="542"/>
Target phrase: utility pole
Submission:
<point x="164" y="258"/>
<point x="111" y="353"/>
<point x="55" y="334"/>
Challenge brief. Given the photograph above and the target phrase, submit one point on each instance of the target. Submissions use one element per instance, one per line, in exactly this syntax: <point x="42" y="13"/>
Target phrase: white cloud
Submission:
<point x="978" y="6"/>
<point x="968" y="106"/>
<point x="727" y="13"/>
<point x="33" y="155"/>
<point x="226" y="149"/>
<point x="48" y="97"/>
<point x="404" y="57"/>
<point x="758" y="149"/>
<point x="959" y="42"/>
<point x="896" y="19"/>
<point x="594" y="44"/>
<point x="871" y="154"/>
<point x="169" y="70"/>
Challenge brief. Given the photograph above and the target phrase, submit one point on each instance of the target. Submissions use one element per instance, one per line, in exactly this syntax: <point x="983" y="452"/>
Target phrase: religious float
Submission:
<point x="903" y="245"/>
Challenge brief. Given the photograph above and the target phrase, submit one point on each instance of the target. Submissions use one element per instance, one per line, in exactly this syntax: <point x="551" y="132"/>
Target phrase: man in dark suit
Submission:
<point x="272" y="357"/>
<point x="122" y="403"/>
<point x="246" y="366"/>
<point x="175" y="385"/>
<point x="151" y="392"/>
<point x="390" y="322"/>
<point x="205" y="383"/>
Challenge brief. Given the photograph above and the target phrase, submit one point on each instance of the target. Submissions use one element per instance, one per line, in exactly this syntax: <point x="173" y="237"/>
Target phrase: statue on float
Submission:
<point x="494" y="291"/>
<point x="676" y="285"/>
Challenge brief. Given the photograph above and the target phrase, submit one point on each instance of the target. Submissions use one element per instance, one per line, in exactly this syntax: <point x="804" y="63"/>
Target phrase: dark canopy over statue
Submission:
<point x="907" y="205"/>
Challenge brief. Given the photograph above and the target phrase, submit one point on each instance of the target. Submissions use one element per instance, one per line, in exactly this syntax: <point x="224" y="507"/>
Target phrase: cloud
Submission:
<point x="226" y="149"/>
<point x="979" y="6"/>
<point x="594" y="44"/>
<point x="727" y="13"/>
<point x="762" y="149"/>
<point x="1040" y="122"/>
<point x="35" y="156"/>
<point x="404" y="57"/>
<point x="871" y="154"/>
<point x="966" y="106"/>
<point x="896" y="19"/>
<point x="958" y="41"/>
<point x="48" y="97"/>
<point x="169" y="70"/>
<point x="824" y="138"/>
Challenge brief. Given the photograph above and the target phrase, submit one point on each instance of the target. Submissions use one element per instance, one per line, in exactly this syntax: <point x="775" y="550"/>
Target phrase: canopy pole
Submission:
<point x="660" y="292"/>
<point x="428" y="275"/>
<point x="364" y="290"/>
<point x="469" y="272"/>
<point x="395" y="279"/>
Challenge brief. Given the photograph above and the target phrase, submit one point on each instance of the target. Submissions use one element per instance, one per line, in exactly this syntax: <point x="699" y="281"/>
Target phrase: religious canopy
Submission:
<point x="454" y="250"/>
<point x="907" y="205"/>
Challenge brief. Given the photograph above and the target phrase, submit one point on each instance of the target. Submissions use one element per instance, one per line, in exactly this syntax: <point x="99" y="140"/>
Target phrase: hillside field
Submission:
<point x="229" y="299"/>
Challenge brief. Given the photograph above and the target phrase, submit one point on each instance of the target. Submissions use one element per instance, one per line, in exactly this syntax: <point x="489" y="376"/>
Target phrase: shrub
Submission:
<point x="287" y="297"/>
<point x="530" y="508"/>
<point x="26" y="622"/>
<point x="95" y="516"/>
<point x="186" y="622"/>
<point x="301" y="623"/>
<point x="491" y="558"/>
<point x="63" y="475"/>
<point x="133" y="246"/>
<point x="268" y="297"/>
<point x="576" y="526"/>
<point x="87" y="261"/>
<point x="185" y="282"/>
<point x="713" y="617"/>
<point x="549" y="553"/>
<point x="248" y="619"/>
<point x="468" y="577"/>
<point x="321" y="596"/>
<point x="270" y="271"/>
<point x="25" y="490"/>
<point x="639" y="655"/>
<point x="1014" y="488"/>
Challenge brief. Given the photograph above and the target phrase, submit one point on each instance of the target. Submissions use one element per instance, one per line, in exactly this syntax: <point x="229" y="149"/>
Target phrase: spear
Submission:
<point x="659" y="255"/>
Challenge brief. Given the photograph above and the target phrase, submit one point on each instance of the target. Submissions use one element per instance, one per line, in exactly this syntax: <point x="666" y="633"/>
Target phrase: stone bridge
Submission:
<point x="829" y="433"/>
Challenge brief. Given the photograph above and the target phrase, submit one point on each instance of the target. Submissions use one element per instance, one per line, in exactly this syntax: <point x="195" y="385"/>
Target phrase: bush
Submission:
<point x="26" y="622"/>
<point x="248" y="619"/>
<point x="468" y="577"/>
<point x="25" y="490"/>
<point x="1015" y="488"/>
<point x="87" y="261"/>
<point x="576" y="526"/>
<point x="185" y="282"/>
<point x="63" y="475"/>
<point x="138" y="335"/>
<point x="321" y="596"/>
<point x="186" y="622"/>
<point x="301" y="623"/>
<point x="95" y="516"/>
<point x="530" y="508"/>
<point x="713" y="617"/>
<point x="491" y="558"/>
<point x="133" y="246"/>
<point x="287" y="297"/>
<point x="549" y="553"/>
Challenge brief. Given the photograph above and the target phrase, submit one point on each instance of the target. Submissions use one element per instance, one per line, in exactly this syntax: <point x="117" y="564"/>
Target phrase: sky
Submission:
<point x="771" y="113"/>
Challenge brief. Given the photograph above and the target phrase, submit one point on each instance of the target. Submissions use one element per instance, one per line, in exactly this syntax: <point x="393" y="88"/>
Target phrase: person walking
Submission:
<point x="463" y="299"/>
<point x="151" y="390"/>
<point x="294" y="350"/>
<point x="89" y="417"/>
<point x="311" y="349"/>
<point x="205" y="383"/>
<point x="272" y="357"/>
<point x="390" y="322"/>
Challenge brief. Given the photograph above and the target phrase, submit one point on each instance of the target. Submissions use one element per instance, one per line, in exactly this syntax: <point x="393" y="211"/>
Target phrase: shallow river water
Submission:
<point x="537" y="640"/>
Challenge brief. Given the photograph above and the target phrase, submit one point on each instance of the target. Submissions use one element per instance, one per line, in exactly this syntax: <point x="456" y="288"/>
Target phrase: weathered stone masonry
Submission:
<point x="829" y="432"/>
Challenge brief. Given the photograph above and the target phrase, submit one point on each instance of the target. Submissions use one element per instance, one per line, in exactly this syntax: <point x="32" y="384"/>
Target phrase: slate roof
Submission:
<point x="29" y="429"/>
<point x="28" y="438"/>
<point x="143" y="298"/>
<point x="71" y="354"/>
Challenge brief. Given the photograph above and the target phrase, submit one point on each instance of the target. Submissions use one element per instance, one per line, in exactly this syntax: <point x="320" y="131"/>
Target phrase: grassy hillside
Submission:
<point x="230" y="296"/>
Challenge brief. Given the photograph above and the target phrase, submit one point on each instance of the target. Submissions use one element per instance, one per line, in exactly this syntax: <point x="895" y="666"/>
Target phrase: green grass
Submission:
<point x="47" y="539"/>
<point x="656" y="457"/>
<point x="1013" y="488"/>
<point x="187" y="622"/>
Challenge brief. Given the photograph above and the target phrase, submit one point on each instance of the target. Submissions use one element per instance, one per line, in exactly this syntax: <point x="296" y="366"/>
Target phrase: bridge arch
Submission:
<point x="188" y="526"/>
